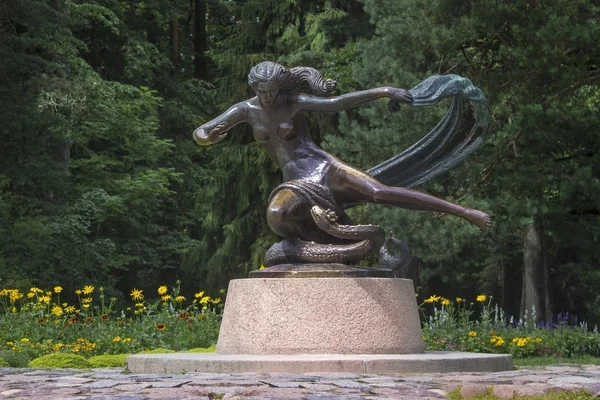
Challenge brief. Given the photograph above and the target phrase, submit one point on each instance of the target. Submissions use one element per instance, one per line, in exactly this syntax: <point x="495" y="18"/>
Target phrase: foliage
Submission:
<point x="61" y="360"/>
<point x="108" y="360"/>
<point x="211" y="349"/>
<point x="460" y="325"/>
<point x="39" y="322"/>
<point x="3" y="363"/>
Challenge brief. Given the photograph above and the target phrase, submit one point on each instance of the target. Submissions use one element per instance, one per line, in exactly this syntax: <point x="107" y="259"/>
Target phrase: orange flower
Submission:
<point x="161" y="327"/>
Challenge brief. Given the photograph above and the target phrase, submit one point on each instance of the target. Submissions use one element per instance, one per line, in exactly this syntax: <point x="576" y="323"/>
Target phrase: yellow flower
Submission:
<point x="117" y="339"/>
<point x="216" y="301"/>
<point x="522" y="342"/>
<point x="537" y="339"/>
<point x="204" y="300"/>
<point x="493" y="339"/>
<point x="445" y="302"/>
<point x="166" y="298"/>
<point x="24" y="340"/>
<point x="9" y="343"/>
<point x="141" y="305"/>
<point x="86" y="300"/>
<point x="30" y="295"/>
<point x="261" y="268"/>
<point x="433" y="299"/>
<point x="57" y="289"/>
<point x="127" y="340"/>
<point x="481" y="298"/>
<point x="459" y="299"/>
<point x="180" y="299"/>
<point x="36" y="290"/>
<point x="78" y="292"/>
<point x="88" y="289"/>
<point x="85" y="305"/>
<point x="70" y="309"/>
<point x="14" y="309"/>
<point x="472" y="334"/>
<point x="500" y="342"/>
<point x="199" y="294"/>
<point x="57" y="310"/>
<point x="136" y="294"/>
<point x="161" y="327"/>
<point x="162" y="290"/>
<point x="44" y="299"/>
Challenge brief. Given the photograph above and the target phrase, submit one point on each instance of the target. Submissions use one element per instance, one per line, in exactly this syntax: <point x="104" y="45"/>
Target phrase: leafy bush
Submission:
<point x="3" y="363"/>
<point x="211" y="349"/>
<point x="61" y="360"/>
<point x="108" y="360"/>
<point x="15" y="359"/>
<point x="158" y="351"/>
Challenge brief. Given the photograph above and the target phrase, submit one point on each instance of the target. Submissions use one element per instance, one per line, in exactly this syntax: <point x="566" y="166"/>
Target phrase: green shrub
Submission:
<point x="3" y="363"/>
<point x="108" y="360"/>
<point x="15" y="359"/>
<point x="158" y="351"/>
<point x="61" y="360"/>
<point x="211" y="349"/>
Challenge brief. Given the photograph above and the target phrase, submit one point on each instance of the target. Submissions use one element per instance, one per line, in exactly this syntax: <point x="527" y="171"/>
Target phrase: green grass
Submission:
<point x="542" y="361"/>
<point x="562" y="395"/>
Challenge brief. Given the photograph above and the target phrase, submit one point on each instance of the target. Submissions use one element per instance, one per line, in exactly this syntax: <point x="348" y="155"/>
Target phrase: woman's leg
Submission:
<point x="349" y="185"/>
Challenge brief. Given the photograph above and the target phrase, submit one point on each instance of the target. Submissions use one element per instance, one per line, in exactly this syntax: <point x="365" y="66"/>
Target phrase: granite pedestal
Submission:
<point x="302" y="325"/>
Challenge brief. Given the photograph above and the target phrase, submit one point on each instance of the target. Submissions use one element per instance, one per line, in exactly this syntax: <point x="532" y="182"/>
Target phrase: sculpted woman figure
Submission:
<point x="311" y="176"/>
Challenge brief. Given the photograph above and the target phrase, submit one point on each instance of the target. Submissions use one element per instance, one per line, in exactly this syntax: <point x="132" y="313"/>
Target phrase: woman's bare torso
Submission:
<point x="284" y="133"/>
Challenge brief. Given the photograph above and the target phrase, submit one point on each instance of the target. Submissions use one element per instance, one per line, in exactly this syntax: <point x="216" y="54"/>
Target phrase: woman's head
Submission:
<point x="268" y="77"/>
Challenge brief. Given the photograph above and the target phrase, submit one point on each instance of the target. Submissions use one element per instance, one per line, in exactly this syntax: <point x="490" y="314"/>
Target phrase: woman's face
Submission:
<point x="267" y="93"/>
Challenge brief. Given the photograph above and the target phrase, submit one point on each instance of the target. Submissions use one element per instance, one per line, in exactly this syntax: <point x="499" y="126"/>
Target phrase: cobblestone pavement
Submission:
<point x="117" y="384"/>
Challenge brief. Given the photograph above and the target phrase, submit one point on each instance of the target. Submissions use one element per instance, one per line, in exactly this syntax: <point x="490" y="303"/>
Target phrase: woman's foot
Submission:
<point x="479" y="219"/>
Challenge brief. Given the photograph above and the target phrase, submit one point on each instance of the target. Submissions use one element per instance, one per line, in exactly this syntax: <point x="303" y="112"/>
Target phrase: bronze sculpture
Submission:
<point x="307" y="210"/>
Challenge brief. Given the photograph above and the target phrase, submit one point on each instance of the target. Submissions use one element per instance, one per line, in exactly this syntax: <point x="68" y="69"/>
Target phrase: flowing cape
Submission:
<point x="454" y="138"/>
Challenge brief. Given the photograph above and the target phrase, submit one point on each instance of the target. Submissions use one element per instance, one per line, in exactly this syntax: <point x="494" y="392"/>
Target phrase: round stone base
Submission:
<point x="435" y="361"/>
<point x="320" y="316"/>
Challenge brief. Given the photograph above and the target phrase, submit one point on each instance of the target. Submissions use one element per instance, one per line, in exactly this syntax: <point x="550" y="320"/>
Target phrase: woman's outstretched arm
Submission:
<point x="307" y="102"/>
<point x="214" y="131"/>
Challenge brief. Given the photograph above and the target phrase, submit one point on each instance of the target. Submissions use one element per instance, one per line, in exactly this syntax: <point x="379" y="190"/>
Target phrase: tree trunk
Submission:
<point x="175" y="47"/>
<point x="534" y="289"/>
<point x="200" y="39"/>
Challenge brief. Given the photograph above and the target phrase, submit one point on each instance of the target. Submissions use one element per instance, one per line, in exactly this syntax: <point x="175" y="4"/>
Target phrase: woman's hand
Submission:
<point x="397" y="97"/>
<point x="218" y="133"/>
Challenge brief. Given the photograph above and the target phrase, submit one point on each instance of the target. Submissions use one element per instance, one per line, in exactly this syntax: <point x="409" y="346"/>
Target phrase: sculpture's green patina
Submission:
<point x="307" y="210"/>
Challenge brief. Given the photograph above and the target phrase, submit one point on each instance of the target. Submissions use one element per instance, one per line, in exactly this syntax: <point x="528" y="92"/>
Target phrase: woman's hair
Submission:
<point x="298" y="78"/>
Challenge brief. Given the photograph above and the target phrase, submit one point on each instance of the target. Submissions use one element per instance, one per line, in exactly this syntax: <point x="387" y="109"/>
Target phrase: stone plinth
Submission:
<point x="320" y="316"/>
<point x="431" y="361"/>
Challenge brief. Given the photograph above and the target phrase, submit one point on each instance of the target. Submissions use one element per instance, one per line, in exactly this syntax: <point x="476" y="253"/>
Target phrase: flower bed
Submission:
<point x="37" y="323"/>
<point x="482" y="326"/>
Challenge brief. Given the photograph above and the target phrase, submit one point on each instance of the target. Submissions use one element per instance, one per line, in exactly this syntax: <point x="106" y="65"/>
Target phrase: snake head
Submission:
<point x="331" y="215"/>
<point x="323" y="215"/>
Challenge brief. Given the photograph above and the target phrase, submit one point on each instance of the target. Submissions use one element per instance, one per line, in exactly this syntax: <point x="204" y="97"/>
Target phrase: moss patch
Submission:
<point x="211" y="349"/>
<point x="60" y="360"/>
<point x="157" y="351"/>
<point x="108" y="360"/>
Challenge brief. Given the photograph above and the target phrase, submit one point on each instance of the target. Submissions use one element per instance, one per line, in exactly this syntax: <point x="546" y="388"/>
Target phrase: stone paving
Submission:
<point x="117" y="384"/>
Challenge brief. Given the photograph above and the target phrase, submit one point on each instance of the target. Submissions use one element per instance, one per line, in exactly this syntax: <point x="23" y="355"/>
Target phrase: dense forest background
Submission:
<point x="101" y="182"/>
